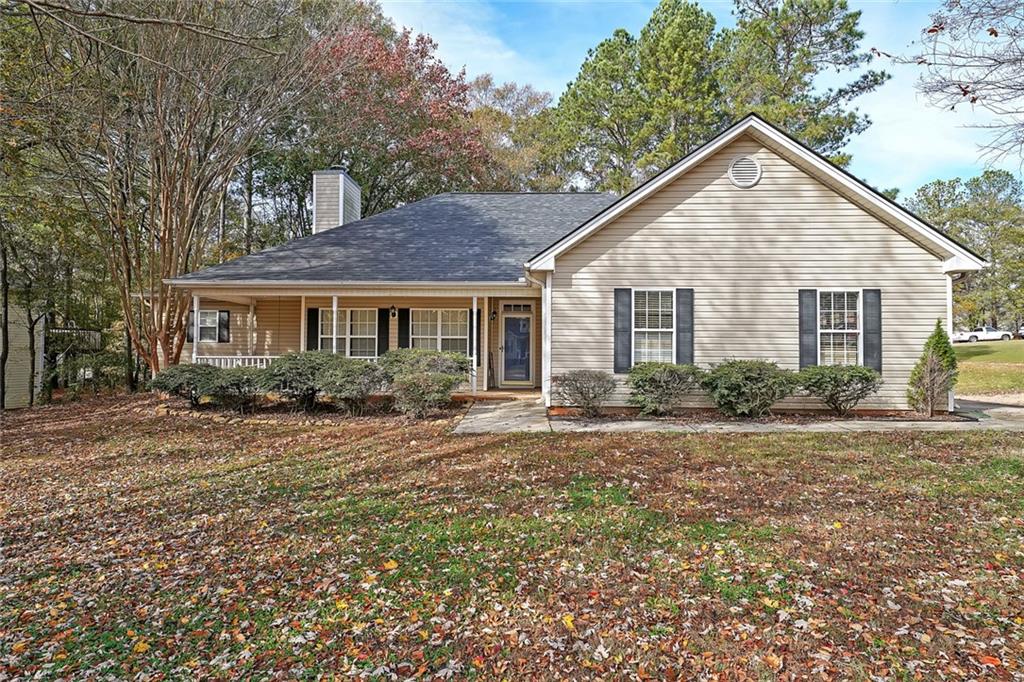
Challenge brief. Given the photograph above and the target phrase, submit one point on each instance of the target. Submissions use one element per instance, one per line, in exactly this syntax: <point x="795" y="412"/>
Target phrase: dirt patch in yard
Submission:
<point x="150" y="546"/>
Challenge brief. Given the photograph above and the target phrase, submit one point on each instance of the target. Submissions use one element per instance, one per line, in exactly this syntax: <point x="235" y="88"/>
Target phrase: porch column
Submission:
<point x="951" y="398"/>
<point x="195" y="328"/>
<point x="545" y="358"/>
<point x="476" y="343"/>
<point x="252" y="320"/>
<point x="487" y="342"/>
<point x="334" y="324"/>
<point x="302" y="324"/>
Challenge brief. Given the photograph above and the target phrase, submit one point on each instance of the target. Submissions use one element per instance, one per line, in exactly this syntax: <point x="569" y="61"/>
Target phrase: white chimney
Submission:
<point x="336" y="199"/>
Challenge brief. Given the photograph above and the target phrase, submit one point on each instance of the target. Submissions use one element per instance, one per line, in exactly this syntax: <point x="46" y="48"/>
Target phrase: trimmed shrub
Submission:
<point x="352" y="383"/>
<point x="184" y="380"/>
<point x="417" y="394"/>
<point x="748" y="388"/>
<point x="413" y="360"/>
<point x="422" y="381"/>
<point x="661" y="387"/>
<point x="587" y="389"/>
<point x="935" y="373"/>
<point x="297" y="376"/>
<point x="840" y="387"/>
<point x="237" y="388"/>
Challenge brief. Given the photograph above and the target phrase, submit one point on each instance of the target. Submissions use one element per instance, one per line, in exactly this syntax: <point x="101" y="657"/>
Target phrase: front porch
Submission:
<point x="499" y="329"/>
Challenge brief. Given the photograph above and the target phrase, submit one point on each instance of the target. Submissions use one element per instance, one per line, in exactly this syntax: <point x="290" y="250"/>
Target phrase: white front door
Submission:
<point x="516" y="346"/>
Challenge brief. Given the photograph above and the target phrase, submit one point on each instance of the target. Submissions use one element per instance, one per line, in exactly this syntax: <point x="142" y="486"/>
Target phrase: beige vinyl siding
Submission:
<point x="18" y="372"/>
<point x="352" y="206"/>
<point x="326" y="197"/>
<point x="278" y="327"/>
<point x="275" y="330"/>
<point x="239" y="322"/>
<point x="746" y="253"/>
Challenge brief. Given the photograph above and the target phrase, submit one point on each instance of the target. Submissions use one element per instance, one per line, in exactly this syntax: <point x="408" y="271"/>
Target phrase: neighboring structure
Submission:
<point x="753" y="246"/>
<point x="18" y="375"/>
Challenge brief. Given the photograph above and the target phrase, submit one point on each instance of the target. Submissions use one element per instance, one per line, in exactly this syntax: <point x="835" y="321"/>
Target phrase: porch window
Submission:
<point x="653" y="326"/>
<point x="362" y="334"/>
<point x="445" y="330"/>
<point x="207" y="325"/>
<point x="357" y="331"/>
<point x="839" y="327"/>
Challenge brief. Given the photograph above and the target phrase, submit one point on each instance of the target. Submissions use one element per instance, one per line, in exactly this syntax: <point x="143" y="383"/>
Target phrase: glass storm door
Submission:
<point x="516" y="349"/>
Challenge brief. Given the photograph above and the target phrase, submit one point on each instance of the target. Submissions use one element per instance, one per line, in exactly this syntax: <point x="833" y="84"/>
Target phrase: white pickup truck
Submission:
<point x="983" y="334"/>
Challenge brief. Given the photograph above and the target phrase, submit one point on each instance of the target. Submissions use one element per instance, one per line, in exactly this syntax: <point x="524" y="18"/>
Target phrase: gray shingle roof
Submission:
<point x="455" y="237"/>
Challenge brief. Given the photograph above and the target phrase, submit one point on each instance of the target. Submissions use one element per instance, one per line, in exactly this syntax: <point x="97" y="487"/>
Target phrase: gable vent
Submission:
<point x="744" y="171"/>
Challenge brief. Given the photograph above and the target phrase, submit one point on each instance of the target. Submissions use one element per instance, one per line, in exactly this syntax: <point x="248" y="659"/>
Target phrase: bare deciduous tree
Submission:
<point x="974" y="54"/>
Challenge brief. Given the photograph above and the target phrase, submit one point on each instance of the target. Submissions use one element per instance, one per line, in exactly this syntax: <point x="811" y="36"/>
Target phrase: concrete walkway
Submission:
<point x="489" y="416"/>
<point x="520" y="416"/>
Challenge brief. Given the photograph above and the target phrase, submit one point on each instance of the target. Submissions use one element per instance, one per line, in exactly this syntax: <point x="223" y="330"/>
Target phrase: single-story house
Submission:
<point x="752" y="246"/>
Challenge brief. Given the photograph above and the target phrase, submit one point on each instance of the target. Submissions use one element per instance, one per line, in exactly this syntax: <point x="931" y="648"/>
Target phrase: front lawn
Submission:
<point x="136" y="545"/>
<point x="991" y="367"/>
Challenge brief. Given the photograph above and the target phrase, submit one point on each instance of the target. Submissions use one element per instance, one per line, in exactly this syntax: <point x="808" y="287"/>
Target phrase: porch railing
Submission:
<point x="229" y="361"/>
<point x="261" y="361"/>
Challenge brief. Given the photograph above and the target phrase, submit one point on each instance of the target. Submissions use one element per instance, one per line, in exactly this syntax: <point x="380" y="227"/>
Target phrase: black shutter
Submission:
<point x="808" y="328"/>
<point x="623" y="330"/>
<point x="684" y="326"/>
<point x="403" y="327"/>
<point x="223" y="326"/>
<point x="312" y="329"/>
<point x="479" y="316"/>
<point x="479" y="331"/>
<point x="191" y="328"/>
<point x="873" y="329"/>
<point x="383" y="330"/>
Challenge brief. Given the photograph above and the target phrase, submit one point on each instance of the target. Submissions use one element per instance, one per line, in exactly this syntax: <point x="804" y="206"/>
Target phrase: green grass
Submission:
<point x="990" y="368"/>
<point x="991" y="351"/>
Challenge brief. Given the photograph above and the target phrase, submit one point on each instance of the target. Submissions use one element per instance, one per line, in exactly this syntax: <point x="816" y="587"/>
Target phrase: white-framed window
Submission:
<point x="839" y="327"/>
<point x="654" y="325"/>
<point x="357" y="331"/>
<point x="444" y="329"/>
<point x="208" y="325"/>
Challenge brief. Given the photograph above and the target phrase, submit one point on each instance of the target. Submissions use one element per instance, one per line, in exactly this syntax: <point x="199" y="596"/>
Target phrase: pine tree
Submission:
<point x="935" y="373"/>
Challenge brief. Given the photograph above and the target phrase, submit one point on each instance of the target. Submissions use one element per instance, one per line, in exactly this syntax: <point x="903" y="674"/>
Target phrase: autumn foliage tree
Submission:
<point x="166" y="101"/>
<point x="400" y="119"/>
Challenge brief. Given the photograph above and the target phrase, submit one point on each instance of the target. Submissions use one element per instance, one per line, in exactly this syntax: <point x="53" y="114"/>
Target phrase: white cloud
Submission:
<point x="467" y="37"/>
<point x="910" y="141"/>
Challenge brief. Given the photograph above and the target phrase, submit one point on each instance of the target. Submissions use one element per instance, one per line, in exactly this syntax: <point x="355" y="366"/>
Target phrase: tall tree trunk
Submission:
<point x="248" y="207"/>
<point x="131" y="382"/>
<point x="222" y="223"/>
<point x="31" y="322"/>
<point x="5" y="335"/>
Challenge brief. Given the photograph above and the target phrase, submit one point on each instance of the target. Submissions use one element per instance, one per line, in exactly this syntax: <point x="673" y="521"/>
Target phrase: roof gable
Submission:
<point x="957" y="257"/>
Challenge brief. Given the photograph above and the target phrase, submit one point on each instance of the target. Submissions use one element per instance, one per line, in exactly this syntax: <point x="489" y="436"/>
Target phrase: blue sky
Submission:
<point x="544" y="43"/>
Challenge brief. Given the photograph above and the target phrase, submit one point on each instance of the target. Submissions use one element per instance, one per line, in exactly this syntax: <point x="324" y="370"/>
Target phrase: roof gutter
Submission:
<point x="291" y="284"/>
